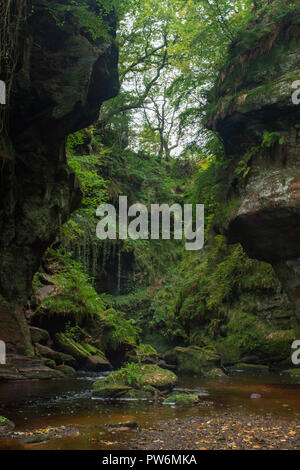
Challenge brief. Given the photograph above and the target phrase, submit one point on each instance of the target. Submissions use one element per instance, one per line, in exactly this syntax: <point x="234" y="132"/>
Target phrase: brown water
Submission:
<point x="36" y="405"/>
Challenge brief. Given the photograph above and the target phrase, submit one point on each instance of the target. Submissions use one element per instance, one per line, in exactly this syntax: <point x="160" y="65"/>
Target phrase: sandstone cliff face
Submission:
<point x="253" y="98"/>
<point x="62" y="77"/>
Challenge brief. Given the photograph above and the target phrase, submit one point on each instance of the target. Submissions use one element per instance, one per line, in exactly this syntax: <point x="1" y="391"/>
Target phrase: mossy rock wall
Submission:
<point x="63" y="76"/>
<point x="251" y="107"/>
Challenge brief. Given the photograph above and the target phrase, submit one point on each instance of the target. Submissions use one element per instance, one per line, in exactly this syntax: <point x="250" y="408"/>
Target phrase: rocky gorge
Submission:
<point x="135" y="319"/>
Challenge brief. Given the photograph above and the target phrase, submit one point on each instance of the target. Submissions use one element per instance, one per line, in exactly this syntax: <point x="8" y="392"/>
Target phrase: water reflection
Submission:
<point x="34" y="405"/>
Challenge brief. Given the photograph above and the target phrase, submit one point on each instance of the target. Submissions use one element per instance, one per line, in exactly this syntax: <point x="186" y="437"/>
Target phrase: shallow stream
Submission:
<point x="58" y="403"/>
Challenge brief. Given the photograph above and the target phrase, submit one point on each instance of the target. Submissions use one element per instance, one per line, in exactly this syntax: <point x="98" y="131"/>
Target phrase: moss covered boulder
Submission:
<point x="70" y="346"/>
<point x="143" y="353"/>
<point x="193" y="360"/>
<point x="216" y="373"/>
<point x="56" y="356"/>
<point x="182" y="400"/>
<point x="38" y="335"/>
<point x="87" y="356"/>
<point x="6" y="426"/>
<point x="145" y="393"/>
<point x="67" y="370"/>
<point x="135" y="381"/>
<point x="109" y="390"/>
<point x="277" y="344"/>
<point x="156" y="377"/>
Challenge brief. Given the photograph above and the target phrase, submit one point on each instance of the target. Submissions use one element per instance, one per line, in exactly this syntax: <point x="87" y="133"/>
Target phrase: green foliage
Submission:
<point x="87" y="169"/>
<point x="143" y="351"/>
<point x="134" y="374"/>
<point x="270" y="139"/>
<point x="182" y="400"/>
<point x="118" y="330"/>
<point x="195" y="302"/>
<point x="243" y="167"/>
<point x="245" y="332"/>
<point x="4" y="420"/>
<point x="92" y="20"/>
<point x="73" y="140"/>
<point x="210" y="184"/>
<point x="171" y="53"/>
<point x="73" y="296"/>
<point x="129" y="375"/>
<point x="252" y="45"/>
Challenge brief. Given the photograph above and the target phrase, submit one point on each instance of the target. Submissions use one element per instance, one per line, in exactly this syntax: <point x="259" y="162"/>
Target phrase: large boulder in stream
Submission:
<point x="182" y="400"/>
<point x="193" y="360"/>
<point x="136" y="382"/>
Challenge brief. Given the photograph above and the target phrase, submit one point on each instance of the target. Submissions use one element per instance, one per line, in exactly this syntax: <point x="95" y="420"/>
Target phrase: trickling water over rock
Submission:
<point x="252" y="110"/>
<point x="62" y="77"/>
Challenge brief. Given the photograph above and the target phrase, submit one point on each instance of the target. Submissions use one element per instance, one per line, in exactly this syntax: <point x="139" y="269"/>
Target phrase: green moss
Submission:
<point x="35" y="439"/>
<point x="142" y="394"/>
<point x="251" y="368"/>
<point x="67" y="370"/>
<point x="139" y="377"/>
<point x="117" y="330"/>
<point x="73" y="297"/>
<point x="159" y="378"/>
<point x="181" y="400"/>
<point x="210" y="287"/>
<point x="4" y="421"/>
<point x="247" y="334"/>
<point x="142" y="352"/>
<point x="278" y="344"/>
<point x="109" y="390"/>
<point x="6" y="426"/>
<point x="196" y="361"/>
<point x="215" y="373"/>
<point x="69" y="346"/>
<point x="50" y="363"/>
<point x="254" y="56"/>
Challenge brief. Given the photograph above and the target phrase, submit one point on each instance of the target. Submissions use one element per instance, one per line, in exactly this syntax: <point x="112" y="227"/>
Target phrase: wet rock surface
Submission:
<point x="26" y="368"/>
